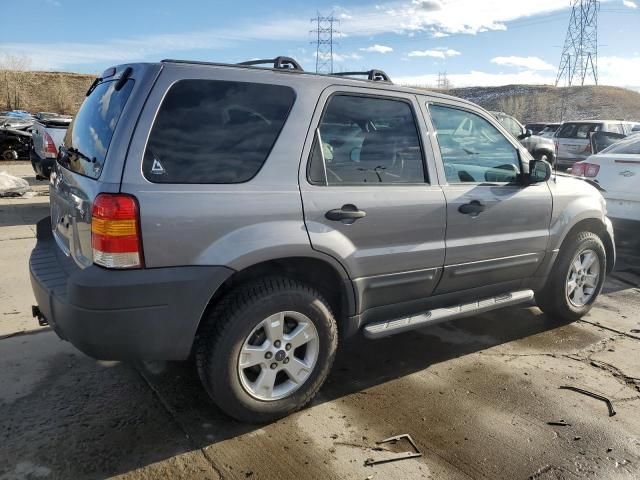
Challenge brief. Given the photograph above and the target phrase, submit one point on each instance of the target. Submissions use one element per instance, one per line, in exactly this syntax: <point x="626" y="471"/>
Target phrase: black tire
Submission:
<point x="230" y="323"/>
<point x="553" y="299"/>
<point x="9" y="155"/>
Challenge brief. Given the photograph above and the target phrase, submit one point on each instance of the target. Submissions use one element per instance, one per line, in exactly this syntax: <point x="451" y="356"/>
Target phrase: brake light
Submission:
<point x="49" y="147"/>
<point x="584" y="169"/>
<point x="587" y="149"/>
<point x="115" y="231"/>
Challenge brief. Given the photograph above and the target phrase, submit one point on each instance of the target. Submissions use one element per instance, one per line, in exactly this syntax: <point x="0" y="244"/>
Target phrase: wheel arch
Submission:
<point x="598" y="227"/>
<point x="328" y="277"/>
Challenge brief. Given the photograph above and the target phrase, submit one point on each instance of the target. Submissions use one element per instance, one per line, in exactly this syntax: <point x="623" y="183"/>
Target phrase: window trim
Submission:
<point x="492" y="121"/>
<point x="316" y="128"/>
<point x="157" y="113"/>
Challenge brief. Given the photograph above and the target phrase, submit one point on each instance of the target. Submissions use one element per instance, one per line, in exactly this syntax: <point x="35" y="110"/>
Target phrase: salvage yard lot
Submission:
<point x="476" y="395"/>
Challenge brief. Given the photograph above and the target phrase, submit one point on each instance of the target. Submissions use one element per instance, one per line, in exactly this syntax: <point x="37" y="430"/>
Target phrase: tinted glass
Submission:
<point x="577" y="130"/>
<point x="366" y="140"/>
<point x="625" y="147"/>
<point x="210" y="131"/>
<point x="511" y="125"/>
<point x="89" y="135"/>
<point x="472" y="149"/>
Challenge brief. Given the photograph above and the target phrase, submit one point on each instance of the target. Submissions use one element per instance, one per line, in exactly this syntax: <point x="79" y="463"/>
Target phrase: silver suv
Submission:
<point x="254" y="217"/>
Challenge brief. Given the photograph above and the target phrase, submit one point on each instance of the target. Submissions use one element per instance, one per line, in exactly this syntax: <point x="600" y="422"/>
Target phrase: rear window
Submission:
<point x="211" y="131"/>
<point x="89" y="135"/>
<point x="630" y="146"/>
<point x="577" y="130"/>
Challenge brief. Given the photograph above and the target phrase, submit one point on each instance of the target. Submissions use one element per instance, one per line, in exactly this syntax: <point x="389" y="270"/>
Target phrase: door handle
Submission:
<point x="473" y="208"/>
<point x="347" y="214"/>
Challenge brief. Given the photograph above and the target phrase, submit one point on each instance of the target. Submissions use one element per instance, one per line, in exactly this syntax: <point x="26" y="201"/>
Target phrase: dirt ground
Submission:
<point x="480" y="397"/>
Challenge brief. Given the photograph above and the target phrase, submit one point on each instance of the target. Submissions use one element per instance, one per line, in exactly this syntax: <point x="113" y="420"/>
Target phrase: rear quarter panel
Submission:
<point x="235" y="225"/>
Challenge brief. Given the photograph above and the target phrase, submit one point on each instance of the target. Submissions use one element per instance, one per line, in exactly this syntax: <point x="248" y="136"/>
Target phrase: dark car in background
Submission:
<point x="535" y="128"/>
<point x="14" y="143"/>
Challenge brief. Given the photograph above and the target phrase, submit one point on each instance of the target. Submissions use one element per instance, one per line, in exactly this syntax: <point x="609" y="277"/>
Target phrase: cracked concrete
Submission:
<point x="477" y="395"/>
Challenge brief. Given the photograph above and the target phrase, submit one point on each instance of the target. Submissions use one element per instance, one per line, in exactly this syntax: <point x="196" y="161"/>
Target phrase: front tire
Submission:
<point x="266" y="349"/>
<point x="576" y="278"/>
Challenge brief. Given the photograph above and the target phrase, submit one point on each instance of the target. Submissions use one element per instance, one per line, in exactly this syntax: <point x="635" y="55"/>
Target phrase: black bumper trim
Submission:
<point x="147" y="314"/>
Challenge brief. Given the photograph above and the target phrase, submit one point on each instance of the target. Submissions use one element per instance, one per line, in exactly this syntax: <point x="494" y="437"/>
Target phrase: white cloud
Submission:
<point x="439" y="34"/>
<point x="528" y="63"/>
<point x="377" y="49"/>
<point x="443" y="16"/>
<point x="630" y="4"/>
<point x="340" y="57"/>
<point x="435" y="53"/>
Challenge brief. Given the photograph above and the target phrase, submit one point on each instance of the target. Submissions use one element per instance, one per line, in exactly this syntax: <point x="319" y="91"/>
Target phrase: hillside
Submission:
<point x="64" y="92"/>
<point x="59" y="92"/>
<point x="540" y="103"/>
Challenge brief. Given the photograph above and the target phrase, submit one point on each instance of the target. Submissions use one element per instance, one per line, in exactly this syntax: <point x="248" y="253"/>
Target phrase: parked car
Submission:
<point x="535" y="128"/>
<point x="573" y="139"/>
<point x="14" y="144"/>
<point x="48" y="133"/>
<point x="549" y="130"/>
<point x="541" y="148"/>
<point x="617" y="170"/>
<point x="211" y="210"/>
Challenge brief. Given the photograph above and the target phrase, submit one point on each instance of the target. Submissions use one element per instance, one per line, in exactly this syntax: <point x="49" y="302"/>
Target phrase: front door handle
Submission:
<point x="347" y="214"/>
<point x="473" y="208"/>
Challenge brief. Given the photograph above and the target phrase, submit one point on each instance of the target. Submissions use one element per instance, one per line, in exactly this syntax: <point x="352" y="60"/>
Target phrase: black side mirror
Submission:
<point x="526" y="133"/>
<point x="539" y="171"/>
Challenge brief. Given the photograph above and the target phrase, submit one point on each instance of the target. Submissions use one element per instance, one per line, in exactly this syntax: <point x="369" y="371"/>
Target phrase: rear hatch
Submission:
<point x="90" y="160"/>
<point x="574" y="140"/>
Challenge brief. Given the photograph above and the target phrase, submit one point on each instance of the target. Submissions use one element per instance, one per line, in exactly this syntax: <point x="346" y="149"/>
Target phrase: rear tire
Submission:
<point x="9" y="155"/>
<point x="576" y="278"/>
<point x="290" y="364"/>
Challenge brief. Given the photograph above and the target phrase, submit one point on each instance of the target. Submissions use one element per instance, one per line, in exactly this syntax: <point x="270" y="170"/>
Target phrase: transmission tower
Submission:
<point x="579" y="58"/>
<point x="443" y="81"/>
<point x="325" y="31"/>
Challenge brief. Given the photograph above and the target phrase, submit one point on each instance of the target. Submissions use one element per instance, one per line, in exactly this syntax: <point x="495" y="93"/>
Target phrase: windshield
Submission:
<point x="89" y="135"/>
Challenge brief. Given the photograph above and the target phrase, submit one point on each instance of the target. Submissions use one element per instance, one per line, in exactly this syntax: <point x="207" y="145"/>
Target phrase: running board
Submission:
<point x="384" y="329"/>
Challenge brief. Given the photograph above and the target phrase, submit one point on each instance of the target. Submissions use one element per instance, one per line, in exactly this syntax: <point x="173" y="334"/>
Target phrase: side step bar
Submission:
<point x="384" y="329"/>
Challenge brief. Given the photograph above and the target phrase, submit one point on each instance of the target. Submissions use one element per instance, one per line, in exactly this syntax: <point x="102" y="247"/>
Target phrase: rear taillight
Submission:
<point x="584" y="169"/>
<point x="49" y="147"/>
<point x="115" y="231"/>
<point x="587" y="150"/>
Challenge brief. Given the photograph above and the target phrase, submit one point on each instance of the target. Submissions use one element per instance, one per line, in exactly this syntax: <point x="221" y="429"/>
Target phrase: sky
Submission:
<point x="477" y="42"/>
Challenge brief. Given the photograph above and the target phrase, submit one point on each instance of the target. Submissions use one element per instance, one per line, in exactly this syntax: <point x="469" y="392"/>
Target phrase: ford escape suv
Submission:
<point x="254" y="217"/>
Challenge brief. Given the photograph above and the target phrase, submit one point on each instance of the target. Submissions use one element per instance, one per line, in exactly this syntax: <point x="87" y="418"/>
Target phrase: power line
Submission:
<point x="580" y="52"/>
<point x="325" y="31"/>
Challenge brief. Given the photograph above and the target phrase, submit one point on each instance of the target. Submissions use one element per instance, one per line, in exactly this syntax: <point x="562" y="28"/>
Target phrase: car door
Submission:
<point x="497" y="229"/>
<point x="368" y="195"/>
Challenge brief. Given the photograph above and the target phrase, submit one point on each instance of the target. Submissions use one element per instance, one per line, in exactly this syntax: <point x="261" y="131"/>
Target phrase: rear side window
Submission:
<point x="210" y="131"/>
<point x="89" y="135"/>
<point x="577" y="130"/>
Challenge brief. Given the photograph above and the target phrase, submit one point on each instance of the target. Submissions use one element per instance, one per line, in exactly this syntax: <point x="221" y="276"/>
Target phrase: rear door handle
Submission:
<point x="347" y="214"/>
<point x="473" y="208"/>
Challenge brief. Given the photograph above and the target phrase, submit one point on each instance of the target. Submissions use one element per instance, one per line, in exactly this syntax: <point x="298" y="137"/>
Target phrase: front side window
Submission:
<point x="472" y="149"/>
<point x="366" y="140"/>
<point x="210" y="131"/>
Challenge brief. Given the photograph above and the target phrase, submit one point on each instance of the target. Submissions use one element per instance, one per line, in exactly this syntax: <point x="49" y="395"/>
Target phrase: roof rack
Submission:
<point x="280" y="63"/>
<point x="375" y="75"/>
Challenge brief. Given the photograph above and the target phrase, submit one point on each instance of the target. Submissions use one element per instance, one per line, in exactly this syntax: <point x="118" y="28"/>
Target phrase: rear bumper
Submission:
<point x="147" y="314"/>
<point x="42" y="166"/>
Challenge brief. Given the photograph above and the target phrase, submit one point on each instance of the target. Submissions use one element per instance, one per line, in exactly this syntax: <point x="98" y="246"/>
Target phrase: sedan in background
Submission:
<point x="617" y="170"/>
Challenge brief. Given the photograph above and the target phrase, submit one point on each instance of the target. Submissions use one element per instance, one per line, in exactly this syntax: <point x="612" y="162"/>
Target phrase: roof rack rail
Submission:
<point x="375" y="75"/>
<point x="280" y="63"/>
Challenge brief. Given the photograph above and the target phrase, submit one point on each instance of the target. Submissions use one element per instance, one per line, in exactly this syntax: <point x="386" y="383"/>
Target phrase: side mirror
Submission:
<point x="526" y="133"/>
<point x="539" y="171"/>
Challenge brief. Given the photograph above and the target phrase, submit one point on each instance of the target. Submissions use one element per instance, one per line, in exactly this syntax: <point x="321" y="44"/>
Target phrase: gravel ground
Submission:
<point x="476" y="395"/>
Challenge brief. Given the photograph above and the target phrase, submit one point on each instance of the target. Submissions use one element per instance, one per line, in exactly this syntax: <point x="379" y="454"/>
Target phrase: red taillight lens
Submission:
<point x="584" y="169"/>
<point x="587" y="149"/>
<point x="49" y="146"/>
<point x="115" y="231"/>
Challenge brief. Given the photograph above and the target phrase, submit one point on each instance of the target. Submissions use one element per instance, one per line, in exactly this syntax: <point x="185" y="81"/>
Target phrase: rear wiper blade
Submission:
<point x="93" y="86"/>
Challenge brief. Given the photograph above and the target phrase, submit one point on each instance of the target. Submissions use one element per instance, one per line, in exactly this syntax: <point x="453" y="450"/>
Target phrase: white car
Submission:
<point x="617" y="170"/>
